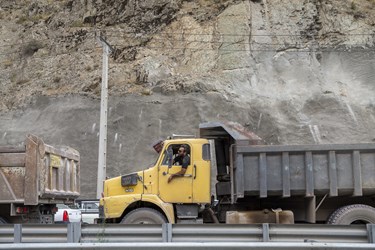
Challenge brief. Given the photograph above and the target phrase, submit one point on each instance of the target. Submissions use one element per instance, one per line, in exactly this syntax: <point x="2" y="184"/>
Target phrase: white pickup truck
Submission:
<point x="89" y="210"/>
<point x="66" y="214"/>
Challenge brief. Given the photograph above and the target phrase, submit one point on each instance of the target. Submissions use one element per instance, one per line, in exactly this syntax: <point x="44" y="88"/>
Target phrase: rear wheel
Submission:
<point x="353" y="214"/>
<point x="144" y="215"/>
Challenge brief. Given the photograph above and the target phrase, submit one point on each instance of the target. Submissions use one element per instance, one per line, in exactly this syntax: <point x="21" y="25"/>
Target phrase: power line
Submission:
<point x="251" y="43"/>
<point x="296" y="49"/>
<point x="138" y="34"/>
<point x="246" y="35"/>
<point x="234" y="42"/>
<point x="292" y="49"/>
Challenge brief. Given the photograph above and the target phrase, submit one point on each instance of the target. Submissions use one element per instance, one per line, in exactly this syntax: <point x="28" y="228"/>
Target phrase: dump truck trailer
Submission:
<point x="34" y="178"/>
<point x="255" y="183"/>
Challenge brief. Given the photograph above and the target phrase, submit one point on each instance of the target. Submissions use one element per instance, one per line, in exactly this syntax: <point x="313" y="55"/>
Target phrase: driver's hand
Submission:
<point x="170" y="178"/>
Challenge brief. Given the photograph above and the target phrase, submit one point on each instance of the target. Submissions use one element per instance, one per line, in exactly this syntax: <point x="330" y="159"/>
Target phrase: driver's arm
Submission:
<point x="184" y="166"/>
<point x="178" y="174"/>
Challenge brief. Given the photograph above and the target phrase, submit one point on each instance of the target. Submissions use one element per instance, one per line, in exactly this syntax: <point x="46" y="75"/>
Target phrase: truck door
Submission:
<point x="180" y="189"/>
<point x="202" y="174"/>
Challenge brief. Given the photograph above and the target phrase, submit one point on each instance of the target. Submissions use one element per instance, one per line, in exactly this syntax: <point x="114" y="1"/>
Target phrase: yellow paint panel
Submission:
<point x="151" y="180"/>
<point x="202" y="182"/>
<point x="114" y="206"/>
<point x="55" y="161"/>
<point x="179" y="190"/>
<point x="113" y="187"/>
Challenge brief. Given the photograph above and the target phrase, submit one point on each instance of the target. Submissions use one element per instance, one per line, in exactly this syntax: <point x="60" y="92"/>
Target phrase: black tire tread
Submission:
<point x="343" y="211"/>
<point x="138" y="210"/>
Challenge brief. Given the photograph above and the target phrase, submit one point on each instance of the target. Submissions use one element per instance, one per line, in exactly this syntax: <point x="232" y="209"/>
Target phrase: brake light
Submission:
<point x="66" y="216"/>
<point x="22" y="210"/>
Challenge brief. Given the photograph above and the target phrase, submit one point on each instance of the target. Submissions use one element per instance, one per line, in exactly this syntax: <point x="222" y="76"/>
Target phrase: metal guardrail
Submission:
<point x="192" y="245"/>
<point x="173" y="235"/>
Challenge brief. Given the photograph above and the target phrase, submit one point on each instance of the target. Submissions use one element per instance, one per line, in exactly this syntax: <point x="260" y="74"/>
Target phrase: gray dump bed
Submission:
<point x="289" y="170"/>
<point x="306" y="170"/>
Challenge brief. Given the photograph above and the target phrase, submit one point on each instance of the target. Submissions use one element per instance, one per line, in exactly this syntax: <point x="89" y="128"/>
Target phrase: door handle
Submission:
<point x="195" y="171"/>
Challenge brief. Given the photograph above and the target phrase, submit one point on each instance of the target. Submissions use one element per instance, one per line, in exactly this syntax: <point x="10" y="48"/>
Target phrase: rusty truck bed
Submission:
<point x="38" y="173"/>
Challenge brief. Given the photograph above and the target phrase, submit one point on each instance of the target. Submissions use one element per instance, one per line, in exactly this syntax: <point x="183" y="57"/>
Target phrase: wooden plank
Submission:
<point x="286" y="174"/>
<point x="309" y="174"/>
<point x="332" y="172"/>
<point x="12" y="159"/>
<point x="262" y="175"/>
<point x="357" y="176"/>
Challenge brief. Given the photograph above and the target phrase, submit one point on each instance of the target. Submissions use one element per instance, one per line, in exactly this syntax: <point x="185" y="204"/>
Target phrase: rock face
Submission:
<point x="293" y="73"/>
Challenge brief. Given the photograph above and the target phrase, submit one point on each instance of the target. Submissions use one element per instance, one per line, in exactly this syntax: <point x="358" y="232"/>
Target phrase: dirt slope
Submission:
<point x="295" y="72"/>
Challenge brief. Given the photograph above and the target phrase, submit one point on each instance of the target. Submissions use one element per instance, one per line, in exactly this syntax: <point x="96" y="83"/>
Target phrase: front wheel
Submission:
<point x="144" y="215"/>
<point x="353" y="214"/>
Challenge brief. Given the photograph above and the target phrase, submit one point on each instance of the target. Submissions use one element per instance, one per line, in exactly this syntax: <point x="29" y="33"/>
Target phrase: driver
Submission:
<point x="182" y="159"/>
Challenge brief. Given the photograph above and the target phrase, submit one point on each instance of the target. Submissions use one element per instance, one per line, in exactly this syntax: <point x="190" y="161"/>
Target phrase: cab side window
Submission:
<point x="166" y="158"/>
<point x="173" y="150"/>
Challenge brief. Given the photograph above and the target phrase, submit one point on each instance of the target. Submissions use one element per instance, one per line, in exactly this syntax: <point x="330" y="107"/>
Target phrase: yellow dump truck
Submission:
<point x="34" y="178"/>
<point x="254" y="183"/>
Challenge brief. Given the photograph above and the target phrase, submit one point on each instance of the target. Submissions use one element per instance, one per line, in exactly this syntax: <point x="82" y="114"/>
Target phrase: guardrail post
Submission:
<point x="74" y="232"/>
<point x="77" y="232"/>
<point x="167" y="232"/>
<point x="17" y="233"/>
<point x="371" y="233"/>
<point x="266" y="232"/>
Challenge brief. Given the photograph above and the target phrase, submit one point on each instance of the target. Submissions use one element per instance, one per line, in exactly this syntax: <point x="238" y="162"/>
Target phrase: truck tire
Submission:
<point x="353" y="214"/>
<point x="144" y="215"/>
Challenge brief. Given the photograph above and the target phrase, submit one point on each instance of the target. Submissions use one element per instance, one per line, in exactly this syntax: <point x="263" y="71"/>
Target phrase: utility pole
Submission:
<point x="102" y="157"/>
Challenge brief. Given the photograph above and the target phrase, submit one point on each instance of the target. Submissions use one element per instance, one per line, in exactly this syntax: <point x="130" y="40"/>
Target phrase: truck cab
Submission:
<point x="147" y="196"/>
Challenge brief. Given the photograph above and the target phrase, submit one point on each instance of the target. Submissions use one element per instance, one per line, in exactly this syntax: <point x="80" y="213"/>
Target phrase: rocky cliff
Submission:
<point x="293" y="72"/>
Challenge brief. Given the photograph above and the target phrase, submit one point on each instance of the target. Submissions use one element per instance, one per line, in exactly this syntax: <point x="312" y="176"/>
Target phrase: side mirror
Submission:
<point x="170" y="156"/>
<point x="169" y="153"/>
